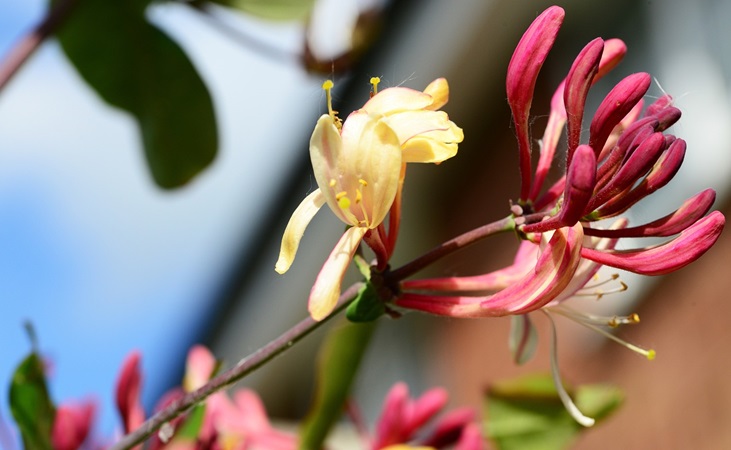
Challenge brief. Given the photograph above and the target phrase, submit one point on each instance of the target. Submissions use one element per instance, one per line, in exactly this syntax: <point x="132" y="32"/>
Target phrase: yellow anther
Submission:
<point x="358" y="196"/>
<point x="343" y="200"/>
<point x="333" y="182"/>
<point x="374" y="83"/>
<point x="634" y="318"/>
<point x="362" y="182"/>
<point x="327" y="85"/>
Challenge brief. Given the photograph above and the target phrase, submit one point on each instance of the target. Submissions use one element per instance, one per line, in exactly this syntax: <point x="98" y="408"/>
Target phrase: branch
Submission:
<point x="231" y="376"/>
<point x="29" y="43"/>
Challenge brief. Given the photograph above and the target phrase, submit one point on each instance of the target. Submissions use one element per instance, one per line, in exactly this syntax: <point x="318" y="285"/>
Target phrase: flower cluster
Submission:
<point x="628" y="156"/>
<point x="360" y="166"/>
<point x="240" y="422"/>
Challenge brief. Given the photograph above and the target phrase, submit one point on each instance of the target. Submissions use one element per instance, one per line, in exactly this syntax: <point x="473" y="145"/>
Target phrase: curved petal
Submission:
<point x="397" y="99"/>
<point x="296" y="228"/>
<point x="326" y="290"/>
<point x="439" y="92"/>
<point x="410" y="124"/>
<point x="427" y="150"/>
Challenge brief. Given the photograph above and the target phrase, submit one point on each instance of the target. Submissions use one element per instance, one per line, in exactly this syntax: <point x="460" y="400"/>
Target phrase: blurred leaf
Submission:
<point x="272" y="9"/>
<point x="527" y="414"/>
<point x="338" y="363"/>
<point x="367" y="306"/>
<point x="136" y="67"/>
<point x="190" y="429"/>
<point x="31" y="405"/>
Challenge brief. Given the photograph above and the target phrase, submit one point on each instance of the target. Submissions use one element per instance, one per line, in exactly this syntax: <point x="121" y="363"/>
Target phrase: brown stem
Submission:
<point x="231" y="376"/>
<point x="29" y="43"/>
<point x="459" y="242"/>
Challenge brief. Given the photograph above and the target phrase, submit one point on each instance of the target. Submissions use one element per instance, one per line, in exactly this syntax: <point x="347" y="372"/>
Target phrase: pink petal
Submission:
<point x="527" y="60"/>
<point x="617" y="104"/>
<point x="71" y="425"/>
<point x="198" y="368"/>
<point x="128" y="393"/>
<point x="391" y="423"/>
<point x="690" y="245"/>
<point x="578" y="82"/>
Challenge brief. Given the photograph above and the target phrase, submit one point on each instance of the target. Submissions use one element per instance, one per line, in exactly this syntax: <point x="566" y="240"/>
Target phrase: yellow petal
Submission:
<point x="397" y="99"/>
<point x="296" y="228"/>
<point x="427" y="150"/>
<point x="439" y="91"/>
<point x="326" y="290"/>
<point x="409" y="124"/>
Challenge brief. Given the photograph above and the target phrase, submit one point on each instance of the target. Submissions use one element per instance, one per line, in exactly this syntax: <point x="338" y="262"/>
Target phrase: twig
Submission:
<point x="29" y="43"/>
<point x="231" y="376"/>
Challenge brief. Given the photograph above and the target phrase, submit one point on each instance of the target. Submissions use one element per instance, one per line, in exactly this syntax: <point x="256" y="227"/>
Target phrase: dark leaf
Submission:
<point x="31" y="405"/>
<point x="136" y="67"/>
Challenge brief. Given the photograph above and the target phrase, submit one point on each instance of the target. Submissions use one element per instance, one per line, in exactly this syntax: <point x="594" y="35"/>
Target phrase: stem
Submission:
<point x="246" y="366"/>
<point x="459" y="242"/>
<point x="29" y="43"/>
<point x="451" y="246"/>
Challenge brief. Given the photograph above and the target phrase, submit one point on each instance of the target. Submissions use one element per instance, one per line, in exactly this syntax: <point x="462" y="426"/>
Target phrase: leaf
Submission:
<point x="527" y="414"/>
<point x="338" y="363"/>
<point x="367" y="306"/>
<point x="31" y="405"/>
<point x="280" y="10"/>
<point x="134" y="66"/>
<point x="189" y="430"/>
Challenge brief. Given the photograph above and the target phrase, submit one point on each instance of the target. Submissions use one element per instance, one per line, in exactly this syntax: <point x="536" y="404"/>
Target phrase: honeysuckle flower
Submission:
<point x="359" y="166"/>
<point x="628" y="156"/>
<point x="71" y="425"/>
<point x="403" y="417"/>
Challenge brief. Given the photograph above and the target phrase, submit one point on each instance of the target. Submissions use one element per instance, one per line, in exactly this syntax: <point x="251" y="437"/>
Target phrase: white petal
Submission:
<point x="296" y="228"/>
<point x="326" y="290"/>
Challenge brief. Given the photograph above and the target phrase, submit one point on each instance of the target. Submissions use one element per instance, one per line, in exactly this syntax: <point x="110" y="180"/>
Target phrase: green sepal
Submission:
<point x="367" y="306"/>
<point x="527" y="414"/>
<point x="278" y="10"/>
<point x="338" y="362"/>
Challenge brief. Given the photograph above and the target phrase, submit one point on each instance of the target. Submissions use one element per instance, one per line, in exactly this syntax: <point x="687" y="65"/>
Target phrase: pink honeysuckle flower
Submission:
<point x="72" y="424"/>
<point x="359" y="166"/>
<point x="128" y="393"/>
<point x="628" y="157"/>
<point x="402" y="418"/>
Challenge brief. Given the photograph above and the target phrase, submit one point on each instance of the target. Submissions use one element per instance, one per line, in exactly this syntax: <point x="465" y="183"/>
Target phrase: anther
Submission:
<point x="362" y="182"/>
<point x="374" y="83"/>
<point x="333" y="182"/>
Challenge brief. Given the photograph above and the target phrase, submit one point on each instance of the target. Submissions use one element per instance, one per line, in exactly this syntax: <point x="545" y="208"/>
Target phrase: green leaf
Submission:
<point x="189" y="430"/>
<point x="367" y="306"/>
<point x="527" y="414"/>
<point x="338" y="363"/>
<point x="280" y="10"/>
<point x="31" y="405"/>
<point x="134" y="66"/>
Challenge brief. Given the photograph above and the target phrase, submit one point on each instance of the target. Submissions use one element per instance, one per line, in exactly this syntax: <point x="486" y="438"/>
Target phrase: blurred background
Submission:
<point x="102" y="261"/>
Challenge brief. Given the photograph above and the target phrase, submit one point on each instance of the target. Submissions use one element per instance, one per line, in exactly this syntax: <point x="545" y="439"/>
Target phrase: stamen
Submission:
<point x="333" y="182"/>
<point x="569" y="404"/>
<point x="327" y="85"/>
<point x="590" y="290"/>
<point x="585" y="321"/>
<point x="362" y="182"/>
<point x="374" y="83"/>
<point x="609" y="321"/>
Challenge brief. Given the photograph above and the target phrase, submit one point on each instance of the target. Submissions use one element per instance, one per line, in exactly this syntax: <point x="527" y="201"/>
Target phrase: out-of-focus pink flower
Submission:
<point x="71" y="425"/>
<point x="403" y="418"/>
<point x="128" y="393"/>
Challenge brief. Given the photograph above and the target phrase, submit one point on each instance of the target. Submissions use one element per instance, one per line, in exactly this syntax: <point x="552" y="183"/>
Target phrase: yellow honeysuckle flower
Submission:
<point x="358" y="168"/>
